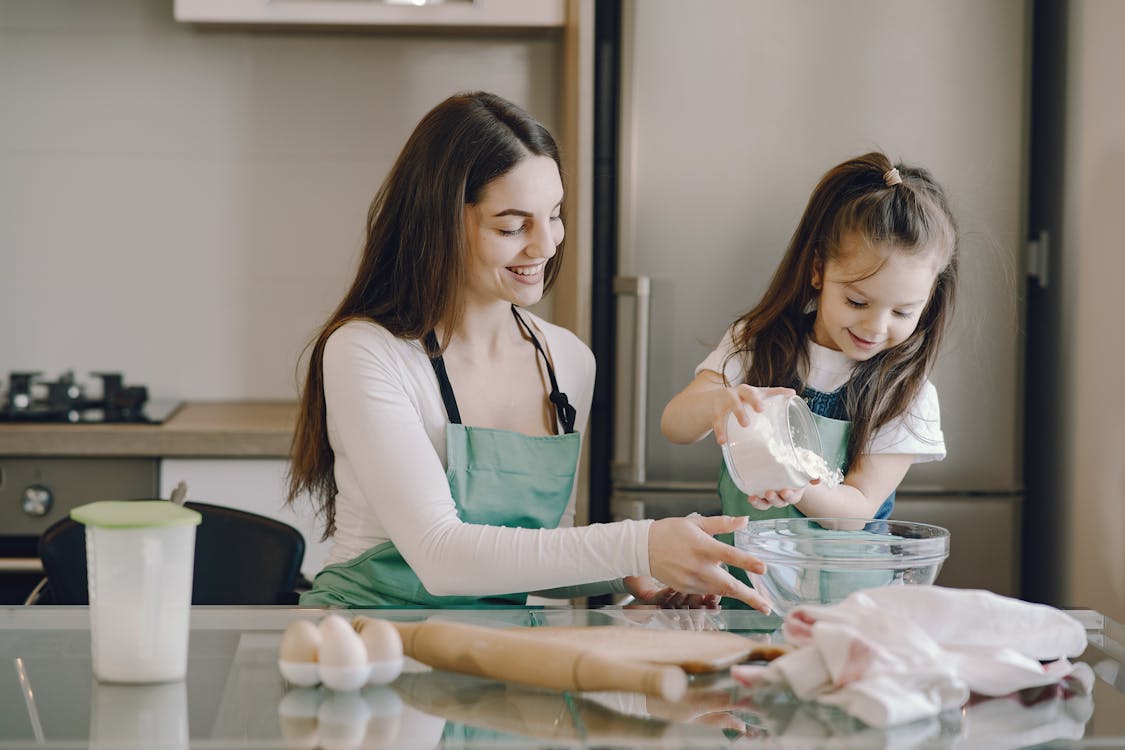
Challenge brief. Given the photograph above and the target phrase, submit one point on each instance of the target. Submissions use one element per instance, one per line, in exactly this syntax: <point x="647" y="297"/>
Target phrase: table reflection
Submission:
<point x="429" y="709"/>
<point x="154" y="715"/>
<point x="234" y="696"/>
<point x="374" y="717"/>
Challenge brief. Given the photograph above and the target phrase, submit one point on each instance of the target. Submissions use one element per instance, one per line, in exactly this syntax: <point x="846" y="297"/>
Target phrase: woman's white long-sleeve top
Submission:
<point x="386" y="427"/>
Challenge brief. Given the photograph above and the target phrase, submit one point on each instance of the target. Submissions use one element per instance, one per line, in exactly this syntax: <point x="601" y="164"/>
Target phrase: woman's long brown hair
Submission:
<point x="911" y="217"/>
<point x="411" y="274"/>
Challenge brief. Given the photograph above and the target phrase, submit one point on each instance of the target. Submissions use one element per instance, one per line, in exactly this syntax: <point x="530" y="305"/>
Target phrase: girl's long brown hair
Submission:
<point x="911" y="217"/>
<point x="411" y="274"/>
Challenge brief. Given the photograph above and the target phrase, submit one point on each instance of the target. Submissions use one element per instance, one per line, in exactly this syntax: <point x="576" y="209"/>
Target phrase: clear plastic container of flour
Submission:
<point x="140" y="556"/>
<point x="780" y="449"/>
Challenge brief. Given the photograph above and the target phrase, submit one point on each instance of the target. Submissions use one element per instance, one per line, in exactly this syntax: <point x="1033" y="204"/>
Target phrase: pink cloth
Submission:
<point x="896" y="654"/>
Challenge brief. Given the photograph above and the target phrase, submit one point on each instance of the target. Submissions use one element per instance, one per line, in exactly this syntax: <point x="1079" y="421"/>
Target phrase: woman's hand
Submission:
<point x="735" y="400"/>
<point x="648" y="590"/>
<point x="683" y="553"/>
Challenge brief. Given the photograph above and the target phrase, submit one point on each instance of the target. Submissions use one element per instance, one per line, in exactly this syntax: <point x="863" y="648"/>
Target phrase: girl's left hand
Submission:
<point x="777" y="498"/>
<point x="648" y="590"/>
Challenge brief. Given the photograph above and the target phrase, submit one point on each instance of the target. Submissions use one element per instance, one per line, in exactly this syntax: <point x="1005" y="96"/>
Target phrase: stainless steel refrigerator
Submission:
<point x="729" y="111"/>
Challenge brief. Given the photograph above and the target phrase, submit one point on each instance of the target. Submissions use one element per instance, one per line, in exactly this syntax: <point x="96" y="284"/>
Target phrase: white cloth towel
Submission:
<point x="895" y="654"/>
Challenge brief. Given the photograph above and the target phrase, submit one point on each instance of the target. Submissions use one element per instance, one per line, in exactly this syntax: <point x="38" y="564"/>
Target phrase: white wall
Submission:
<point x="1094" y="252"/>
<point x="187" y="205"/>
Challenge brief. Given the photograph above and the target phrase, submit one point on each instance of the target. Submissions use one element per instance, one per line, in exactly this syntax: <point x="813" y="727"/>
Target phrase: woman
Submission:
<point x="440" y="422"/>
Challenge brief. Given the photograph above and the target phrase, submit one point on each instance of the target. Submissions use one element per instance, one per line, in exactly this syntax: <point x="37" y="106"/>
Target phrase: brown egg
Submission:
<point x="299" y="653"/>
<point x="384" y="650"/>
<point x="300" y="642"/>
<point x="381" y="639"/>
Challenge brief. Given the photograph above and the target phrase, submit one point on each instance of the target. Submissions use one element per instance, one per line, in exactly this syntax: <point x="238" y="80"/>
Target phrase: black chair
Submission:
<point x="240" y="558"/>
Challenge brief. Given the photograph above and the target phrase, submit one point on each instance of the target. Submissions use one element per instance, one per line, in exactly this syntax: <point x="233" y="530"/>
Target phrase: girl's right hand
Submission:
<point x="735" y="400"/>
<point x="684" y="555"/>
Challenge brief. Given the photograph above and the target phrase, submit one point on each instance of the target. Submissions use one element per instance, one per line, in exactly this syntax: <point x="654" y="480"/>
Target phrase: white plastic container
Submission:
<point x="139" y="557"/>
<point x="779" y="450"/>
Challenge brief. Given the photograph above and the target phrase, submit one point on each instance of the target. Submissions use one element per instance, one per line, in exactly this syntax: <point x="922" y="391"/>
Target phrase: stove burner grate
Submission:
<point x="30" y="399"/>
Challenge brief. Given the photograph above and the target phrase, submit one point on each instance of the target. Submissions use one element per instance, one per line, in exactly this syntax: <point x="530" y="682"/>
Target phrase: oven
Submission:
<point x="35" y="492"/>
<point x="39" y="490"/>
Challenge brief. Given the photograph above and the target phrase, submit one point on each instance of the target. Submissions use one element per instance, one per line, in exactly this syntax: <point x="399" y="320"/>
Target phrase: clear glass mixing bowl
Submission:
<point x="822" y="560"/>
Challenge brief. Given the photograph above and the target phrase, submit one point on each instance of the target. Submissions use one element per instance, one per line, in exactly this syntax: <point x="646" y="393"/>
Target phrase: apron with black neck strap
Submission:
<point x="497" y="478"/>
<point x="830" y="414"/>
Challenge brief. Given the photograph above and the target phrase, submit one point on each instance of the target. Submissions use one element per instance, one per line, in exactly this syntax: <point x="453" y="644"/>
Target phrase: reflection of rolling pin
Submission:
<point x="523" y="658"/>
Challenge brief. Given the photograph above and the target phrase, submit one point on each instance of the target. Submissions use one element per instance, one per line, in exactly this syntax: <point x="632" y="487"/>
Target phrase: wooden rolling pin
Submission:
<point x="525" y="659"/>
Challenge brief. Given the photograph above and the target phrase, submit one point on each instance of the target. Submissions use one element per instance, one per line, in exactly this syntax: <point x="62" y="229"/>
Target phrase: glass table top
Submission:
<point x="235" y="697"/>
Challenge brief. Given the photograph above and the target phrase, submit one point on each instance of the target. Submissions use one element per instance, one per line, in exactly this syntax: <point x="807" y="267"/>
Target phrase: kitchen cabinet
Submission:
<point x="465" y="14"/>
<point x="257" y="485"/>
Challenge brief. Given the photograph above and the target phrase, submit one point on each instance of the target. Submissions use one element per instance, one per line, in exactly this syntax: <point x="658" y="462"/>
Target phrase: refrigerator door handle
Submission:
<point x="632" y="467"/>
<point x="1039" y="258"/>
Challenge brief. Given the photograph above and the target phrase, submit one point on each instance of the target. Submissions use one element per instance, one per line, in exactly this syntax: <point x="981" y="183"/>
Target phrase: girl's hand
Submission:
<point x="683" y="553"/>
<point x="777" y="498"/>
<point x="735" y="400"/>
<point x="648" y="590"/>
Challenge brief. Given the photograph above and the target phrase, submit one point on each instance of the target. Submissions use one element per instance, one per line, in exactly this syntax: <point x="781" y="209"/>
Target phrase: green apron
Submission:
<point x="496" y="478"/>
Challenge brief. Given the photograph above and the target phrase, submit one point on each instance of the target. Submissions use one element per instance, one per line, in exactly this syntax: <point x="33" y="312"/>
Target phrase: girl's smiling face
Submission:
<point x="870" y="298"/>
<point x="513" y="231"/>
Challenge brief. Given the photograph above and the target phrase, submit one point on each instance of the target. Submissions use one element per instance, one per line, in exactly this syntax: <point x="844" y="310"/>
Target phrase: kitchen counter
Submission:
<point x="234" y="697"/>
<point x="237" y="429"/>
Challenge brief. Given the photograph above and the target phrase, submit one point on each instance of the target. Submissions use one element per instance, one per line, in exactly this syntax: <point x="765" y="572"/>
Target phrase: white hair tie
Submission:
<point x="892" y="177"/>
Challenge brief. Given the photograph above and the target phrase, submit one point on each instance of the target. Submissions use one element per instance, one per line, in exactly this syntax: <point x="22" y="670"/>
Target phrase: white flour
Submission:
<point x="760" y="459"/>
<point x="815" y="466"/>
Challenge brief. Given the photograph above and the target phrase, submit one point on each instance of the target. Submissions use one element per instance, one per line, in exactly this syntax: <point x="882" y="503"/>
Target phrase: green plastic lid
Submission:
<point x="135" y="514"/>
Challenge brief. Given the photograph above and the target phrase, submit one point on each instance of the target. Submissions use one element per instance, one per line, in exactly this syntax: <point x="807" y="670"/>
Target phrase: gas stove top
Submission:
<point x="31" y="399"/>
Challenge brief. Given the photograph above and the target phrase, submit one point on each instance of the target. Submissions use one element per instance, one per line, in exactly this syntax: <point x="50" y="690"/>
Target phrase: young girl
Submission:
<point x="852" y="321"/>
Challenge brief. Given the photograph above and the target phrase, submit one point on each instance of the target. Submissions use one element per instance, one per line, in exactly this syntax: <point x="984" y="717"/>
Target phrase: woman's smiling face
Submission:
<point x="513" y="231"/>
<point x="871" y="298"/>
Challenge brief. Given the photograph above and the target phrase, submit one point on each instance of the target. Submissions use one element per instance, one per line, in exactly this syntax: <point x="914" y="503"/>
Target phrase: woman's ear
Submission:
<point x="817" y="274"/>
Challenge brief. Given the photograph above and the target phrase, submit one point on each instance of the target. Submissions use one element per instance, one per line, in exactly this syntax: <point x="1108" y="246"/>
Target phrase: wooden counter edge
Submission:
<point x="233" y="429"/>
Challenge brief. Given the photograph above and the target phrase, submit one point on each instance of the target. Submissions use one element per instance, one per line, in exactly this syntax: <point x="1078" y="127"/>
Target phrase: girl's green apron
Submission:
<point x="834" y="434"/>
<point x="496" y="477"/>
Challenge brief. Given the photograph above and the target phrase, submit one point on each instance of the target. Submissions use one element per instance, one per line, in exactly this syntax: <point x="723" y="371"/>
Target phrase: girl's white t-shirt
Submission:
<point x="386" y="427"/>
<point x="916" y="432"/>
